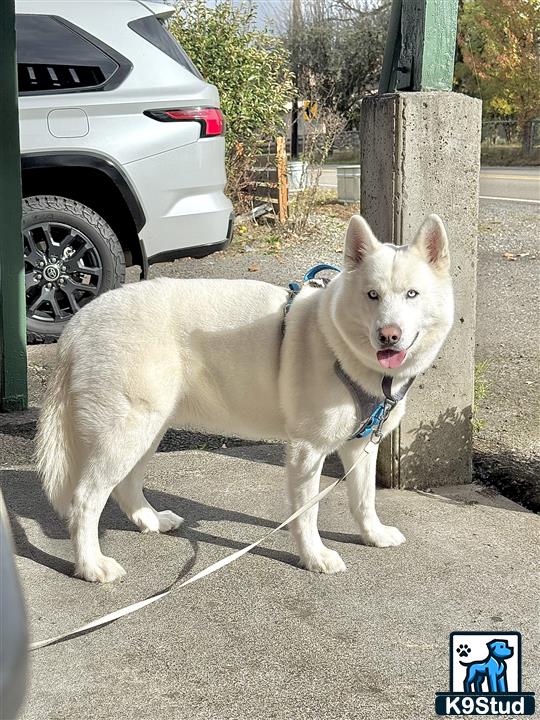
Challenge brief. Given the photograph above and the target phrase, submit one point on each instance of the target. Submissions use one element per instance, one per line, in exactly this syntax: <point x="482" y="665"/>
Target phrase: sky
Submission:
<point x="267" y="10"/>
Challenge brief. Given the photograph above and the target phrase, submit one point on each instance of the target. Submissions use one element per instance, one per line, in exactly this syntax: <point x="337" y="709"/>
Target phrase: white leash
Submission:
<point x="129" y="609"/>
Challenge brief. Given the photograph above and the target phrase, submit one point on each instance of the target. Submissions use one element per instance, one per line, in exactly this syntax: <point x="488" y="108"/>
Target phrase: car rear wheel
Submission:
<point x="71" y="255"/>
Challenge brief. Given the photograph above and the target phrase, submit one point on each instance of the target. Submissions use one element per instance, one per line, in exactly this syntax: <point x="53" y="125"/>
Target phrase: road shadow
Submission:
<point x="26" y="430"/>
<point x="25" y="500"/>
<point x="513" y="474"/>
<point x="427" y="456"/>
<point x="174" y="440"/>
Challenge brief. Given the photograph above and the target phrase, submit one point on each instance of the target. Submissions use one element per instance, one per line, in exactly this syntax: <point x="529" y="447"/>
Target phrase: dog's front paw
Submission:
<point x="324" y="561"/>
<point x="104" y="569"/>
<point x="152" y="521"/>
<point x="382" y="536"/>
<point x="168" y="521"/>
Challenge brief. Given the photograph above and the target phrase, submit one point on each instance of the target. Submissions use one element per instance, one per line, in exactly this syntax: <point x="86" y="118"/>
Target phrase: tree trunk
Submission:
<point x="527" y="142"/>
<point x="294" y="128"/>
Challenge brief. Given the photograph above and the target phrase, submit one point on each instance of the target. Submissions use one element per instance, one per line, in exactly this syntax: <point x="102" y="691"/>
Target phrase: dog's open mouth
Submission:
<point x="391" y="358"/>
<point x="394" y="358"/>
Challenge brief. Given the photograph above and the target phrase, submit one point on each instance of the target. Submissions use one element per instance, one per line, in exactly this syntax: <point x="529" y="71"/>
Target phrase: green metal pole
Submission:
<point x="387" y="82"/>
<point x="13" y="388"/>
<point x="420" y="46"/>
<point x="439" y="45"/>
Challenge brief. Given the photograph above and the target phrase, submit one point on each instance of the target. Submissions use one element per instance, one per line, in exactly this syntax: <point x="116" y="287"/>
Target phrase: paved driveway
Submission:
<point x="264" y="639"/>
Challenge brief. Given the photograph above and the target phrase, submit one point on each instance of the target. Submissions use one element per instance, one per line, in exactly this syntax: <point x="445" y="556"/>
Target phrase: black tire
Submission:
<point x="71" y="256"/>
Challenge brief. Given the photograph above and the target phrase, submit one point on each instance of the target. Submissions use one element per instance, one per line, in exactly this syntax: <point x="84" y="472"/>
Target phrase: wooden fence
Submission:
<point x="268" y="186"/>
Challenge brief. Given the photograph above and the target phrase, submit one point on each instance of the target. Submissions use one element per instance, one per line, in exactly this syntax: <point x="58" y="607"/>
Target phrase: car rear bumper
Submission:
<point x="199" y="251"/>
<point x="182" y="191"/>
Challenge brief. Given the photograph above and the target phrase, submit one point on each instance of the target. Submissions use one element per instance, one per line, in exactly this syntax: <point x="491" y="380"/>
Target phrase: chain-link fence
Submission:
<point x="505" y="143"/>
<point x="507" y="132"/>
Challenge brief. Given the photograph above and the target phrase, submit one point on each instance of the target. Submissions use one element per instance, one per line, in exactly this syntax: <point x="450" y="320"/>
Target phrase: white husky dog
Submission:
<point x="211" y="355"/>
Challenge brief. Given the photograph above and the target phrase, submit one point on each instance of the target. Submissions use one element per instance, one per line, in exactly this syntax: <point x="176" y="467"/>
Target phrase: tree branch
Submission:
<point x="349" y="7"/>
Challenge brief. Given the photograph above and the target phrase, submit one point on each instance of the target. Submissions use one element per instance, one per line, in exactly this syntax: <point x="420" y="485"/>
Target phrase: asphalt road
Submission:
<point x="496" y="183"/>
<point x="513" y="183"/>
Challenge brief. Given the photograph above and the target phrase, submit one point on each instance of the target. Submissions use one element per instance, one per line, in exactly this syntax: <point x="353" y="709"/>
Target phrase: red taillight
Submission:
<point x="210" y="119"/>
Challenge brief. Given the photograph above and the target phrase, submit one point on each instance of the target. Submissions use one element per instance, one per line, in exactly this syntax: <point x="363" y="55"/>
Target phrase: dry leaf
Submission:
<point x="515" y="256"/>
<point x="252" y="268"/>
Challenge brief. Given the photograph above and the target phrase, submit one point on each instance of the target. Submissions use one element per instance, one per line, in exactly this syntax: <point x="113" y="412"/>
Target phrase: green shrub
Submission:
<point x="249" y="67"/>
<point x="480" y="392"/>
<point x="508" y="155"/>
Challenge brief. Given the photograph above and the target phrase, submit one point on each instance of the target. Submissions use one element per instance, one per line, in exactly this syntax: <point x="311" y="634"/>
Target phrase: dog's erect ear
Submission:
<point x="359" y="242"/>
<point x="432" y="243"/>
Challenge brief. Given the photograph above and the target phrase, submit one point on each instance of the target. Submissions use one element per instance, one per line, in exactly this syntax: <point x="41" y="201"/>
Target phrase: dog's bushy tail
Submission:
<point x="54" y="440"/>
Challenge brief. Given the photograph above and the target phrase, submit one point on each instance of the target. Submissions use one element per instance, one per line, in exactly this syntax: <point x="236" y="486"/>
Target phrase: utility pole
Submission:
<point x="420" y="154"/>
<point x="295" y="27"/>
<point x="13" y="390"/>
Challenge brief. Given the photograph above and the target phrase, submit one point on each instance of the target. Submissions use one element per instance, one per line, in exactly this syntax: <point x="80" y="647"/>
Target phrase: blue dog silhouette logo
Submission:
<point x="485" y="676"/>
<point x="492" y="670"/>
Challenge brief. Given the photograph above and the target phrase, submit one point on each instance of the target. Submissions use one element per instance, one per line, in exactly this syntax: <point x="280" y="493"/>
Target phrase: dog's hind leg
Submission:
<point x="361" y="493"/>
<point x="129" y="495"/>
<point x="470" y="680"/>
<point x="479" y="681"/>
<point x="304" y="466"/>
<point x="113" y="453"/>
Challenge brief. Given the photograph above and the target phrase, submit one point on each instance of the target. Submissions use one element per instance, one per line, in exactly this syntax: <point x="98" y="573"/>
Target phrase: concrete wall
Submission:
<point x="420" y="153"/>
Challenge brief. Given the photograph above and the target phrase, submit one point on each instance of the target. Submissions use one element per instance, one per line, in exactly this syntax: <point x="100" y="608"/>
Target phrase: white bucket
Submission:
<point x="297" y="174"/>
<point x="348" y="183"/>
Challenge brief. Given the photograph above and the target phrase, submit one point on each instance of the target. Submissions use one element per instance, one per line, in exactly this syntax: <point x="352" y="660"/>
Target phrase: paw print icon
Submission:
<point x="463" y="650"/>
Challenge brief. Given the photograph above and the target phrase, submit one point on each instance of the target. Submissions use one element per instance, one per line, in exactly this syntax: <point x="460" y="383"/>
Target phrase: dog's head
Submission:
<point x="499" y="649"/>
<point x="396" y="303"/>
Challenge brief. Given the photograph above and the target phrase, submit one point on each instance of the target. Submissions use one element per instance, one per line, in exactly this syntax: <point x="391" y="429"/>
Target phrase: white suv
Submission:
<point x="122" y="152"/>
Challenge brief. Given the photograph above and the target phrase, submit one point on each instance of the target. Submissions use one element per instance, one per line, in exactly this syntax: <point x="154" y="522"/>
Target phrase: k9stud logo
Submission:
<point x="485" y="676"/>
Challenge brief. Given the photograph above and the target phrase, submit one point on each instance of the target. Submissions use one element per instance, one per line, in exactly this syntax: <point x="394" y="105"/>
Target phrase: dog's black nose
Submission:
<point x="389" y="335"/>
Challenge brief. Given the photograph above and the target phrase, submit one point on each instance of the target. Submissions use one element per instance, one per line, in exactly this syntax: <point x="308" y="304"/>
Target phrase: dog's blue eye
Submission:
<point x="412" y="293"/>
<point x="372" y="295"/>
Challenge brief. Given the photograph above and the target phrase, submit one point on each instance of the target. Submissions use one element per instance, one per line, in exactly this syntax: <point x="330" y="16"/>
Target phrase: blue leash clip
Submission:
<point x="373" y="421"/>
<point x="295" y="287"/>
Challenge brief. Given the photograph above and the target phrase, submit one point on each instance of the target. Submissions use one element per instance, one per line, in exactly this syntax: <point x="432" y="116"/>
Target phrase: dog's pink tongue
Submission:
<point x="391" y="358"/>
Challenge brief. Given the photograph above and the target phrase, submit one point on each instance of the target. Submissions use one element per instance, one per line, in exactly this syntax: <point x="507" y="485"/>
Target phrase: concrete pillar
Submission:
<point x="420" y="154"/>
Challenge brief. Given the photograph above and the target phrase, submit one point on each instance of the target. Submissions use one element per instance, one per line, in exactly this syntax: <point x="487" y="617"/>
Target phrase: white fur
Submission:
<point x="209" y="354"/>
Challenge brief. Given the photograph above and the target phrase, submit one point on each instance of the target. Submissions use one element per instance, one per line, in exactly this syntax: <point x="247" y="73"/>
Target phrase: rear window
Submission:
<point x="54" y="56"/>
<point x="152" y="29"/>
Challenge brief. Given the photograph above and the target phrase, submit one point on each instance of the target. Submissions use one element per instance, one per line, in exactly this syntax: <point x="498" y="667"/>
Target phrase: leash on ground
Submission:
<point x="130" y="609"/>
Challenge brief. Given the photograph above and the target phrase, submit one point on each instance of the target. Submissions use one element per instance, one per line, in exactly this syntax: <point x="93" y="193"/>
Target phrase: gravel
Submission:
<point x="507" y="447"/>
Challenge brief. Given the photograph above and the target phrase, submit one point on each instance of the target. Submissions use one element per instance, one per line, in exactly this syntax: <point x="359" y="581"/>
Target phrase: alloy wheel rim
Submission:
<point x="63" y="271"/>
